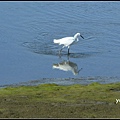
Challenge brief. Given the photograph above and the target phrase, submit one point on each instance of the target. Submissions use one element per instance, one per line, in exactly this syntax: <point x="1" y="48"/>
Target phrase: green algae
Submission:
<point x="58" y="101"/>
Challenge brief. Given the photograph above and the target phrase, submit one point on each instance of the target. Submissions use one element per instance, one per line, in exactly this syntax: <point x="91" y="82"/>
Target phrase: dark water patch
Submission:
<point x="51" y="49"/>
<point x="83" y="55"/>
<point x="41" y="48"/>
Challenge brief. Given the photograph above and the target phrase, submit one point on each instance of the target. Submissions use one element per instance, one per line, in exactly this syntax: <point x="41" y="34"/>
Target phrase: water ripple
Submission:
<point x="51" y="49"/>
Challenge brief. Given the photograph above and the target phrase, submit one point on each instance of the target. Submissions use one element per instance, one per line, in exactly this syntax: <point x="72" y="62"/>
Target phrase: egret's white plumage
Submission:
<point x="67" y="66"/>
<point x="67" y="41"/>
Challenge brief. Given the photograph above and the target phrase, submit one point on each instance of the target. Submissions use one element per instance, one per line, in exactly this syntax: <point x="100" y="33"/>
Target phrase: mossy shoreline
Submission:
<point x="61" y="101"/>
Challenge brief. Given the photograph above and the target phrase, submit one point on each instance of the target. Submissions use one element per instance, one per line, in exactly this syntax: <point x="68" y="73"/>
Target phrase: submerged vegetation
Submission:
<point x="57" y="101"/>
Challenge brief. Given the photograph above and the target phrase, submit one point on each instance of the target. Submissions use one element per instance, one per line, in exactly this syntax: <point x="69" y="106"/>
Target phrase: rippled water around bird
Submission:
<point x="27" y="51"/>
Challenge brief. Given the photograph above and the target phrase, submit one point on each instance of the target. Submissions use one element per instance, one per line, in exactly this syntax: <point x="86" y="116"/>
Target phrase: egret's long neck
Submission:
<point x="75" y="36"/>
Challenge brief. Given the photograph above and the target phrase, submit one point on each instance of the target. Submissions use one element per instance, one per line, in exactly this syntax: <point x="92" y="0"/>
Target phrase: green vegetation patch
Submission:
<point x="58" y="101"/>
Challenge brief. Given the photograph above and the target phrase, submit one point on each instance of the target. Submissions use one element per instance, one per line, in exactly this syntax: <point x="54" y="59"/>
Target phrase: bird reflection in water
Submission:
<point x="67" y="66"/>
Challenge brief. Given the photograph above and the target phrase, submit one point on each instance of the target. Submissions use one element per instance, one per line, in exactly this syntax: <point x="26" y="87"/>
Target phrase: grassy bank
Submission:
<point x="57" y="101"/>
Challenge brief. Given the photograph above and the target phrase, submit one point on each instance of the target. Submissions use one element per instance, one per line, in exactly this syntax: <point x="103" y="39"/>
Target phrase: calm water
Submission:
<point x="27" y="52"/>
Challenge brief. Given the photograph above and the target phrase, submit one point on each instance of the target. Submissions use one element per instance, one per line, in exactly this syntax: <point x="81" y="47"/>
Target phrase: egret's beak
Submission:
<point x="82" y="36"/>
<point x="79" y="70"/>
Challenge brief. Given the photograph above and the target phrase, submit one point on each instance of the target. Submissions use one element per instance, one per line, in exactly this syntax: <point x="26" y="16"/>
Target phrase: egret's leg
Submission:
<point x="68" y="56"/>
<point x="68" y="50"/>
<point x="61" y="49"/>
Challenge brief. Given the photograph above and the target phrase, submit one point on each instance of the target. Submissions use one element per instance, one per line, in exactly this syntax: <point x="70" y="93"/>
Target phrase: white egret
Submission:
<point x="67" y="66"/>
<point x="67" y="41"/>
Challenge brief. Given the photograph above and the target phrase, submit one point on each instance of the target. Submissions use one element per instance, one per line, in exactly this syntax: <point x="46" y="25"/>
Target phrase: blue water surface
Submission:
<point x="27" y="51"/>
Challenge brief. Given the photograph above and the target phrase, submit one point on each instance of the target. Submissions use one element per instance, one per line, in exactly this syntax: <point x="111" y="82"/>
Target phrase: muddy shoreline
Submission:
<point x="66" y="81"/>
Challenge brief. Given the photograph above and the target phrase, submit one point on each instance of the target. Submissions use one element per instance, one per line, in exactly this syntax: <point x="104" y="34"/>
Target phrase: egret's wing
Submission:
<point x="66" y="41"/>
<point x="64" y="67"/>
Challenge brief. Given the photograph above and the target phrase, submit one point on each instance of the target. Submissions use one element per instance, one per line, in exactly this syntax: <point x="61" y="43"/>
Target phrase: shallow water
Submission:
<point x="27" y="51"/>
